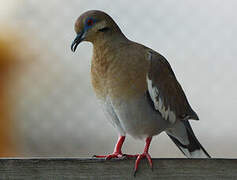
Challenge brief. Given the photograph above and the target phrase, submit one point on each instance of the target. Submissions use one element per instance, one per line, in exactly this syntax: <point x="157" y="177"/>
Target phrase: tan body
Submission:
<point x="119" y="82"/>
<point x="136" y="86"/>
<point x="113" y="75"/>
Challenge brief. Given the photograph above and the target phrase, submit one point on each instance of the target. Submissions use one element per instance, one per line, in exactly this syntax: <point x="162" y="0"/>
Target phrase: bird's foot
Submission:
<point x="114" y="155"/>
<point x="142" y="156"/>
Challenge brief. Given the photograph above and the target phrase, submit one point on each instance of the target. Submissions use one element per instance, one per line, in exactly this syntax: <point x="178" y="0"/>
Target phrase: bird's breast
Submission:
<point x="118" y="76"/>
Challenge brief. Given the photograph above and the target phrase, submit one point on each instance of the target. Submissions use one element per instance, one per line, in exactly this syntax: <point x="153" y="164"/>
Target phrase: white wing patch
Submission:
<point x="166" y="112"/>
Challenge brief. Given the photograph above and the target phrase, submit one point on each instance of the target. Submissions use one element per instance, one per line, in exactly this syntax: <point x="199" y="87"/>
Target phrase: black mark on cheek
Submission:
<point x="105" y="29"/>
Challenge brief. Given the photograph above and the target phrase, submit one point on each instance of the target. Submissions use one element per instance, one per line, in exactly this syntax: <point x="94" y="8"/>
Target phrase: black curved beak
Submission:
<point x="79" y="38"/>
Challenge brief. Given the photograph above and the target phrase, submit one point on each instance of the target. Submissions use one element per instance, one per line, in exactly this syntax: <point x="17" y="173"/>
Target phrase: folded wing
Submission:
<point x="165" y="91"/>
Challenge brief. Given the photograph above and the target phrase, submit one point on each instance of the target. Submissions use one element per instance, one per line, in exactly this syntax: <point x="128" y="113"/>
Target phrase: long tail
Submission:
<point x="183" y="136"/>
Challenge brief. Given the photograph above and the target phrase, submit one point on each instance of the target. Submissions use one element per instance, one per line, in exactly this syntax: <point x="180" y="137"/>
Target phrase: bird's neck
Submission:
<point x="105" y="57"/>
<point x="106" y="46"/>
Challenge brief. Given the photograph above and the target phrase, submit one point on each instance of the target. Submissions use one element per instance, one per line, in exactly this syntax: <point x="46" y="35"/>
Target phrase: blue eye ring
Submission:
<point x="89" y="22"/>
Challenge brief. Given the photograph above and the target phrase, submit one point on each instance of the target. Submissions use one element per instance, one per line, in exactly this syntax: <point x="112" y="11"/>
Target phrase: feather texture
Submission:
<point x="184" y="138"/>
<point x="165" y="91"/>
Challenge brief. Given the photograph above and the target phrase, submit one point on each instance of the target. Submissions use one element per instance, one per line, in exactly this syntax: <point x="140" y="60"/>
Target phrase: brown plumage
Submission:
<point x="170" y="91"/>
<point x="119" y="78"/>
<point x="136" y="87"/>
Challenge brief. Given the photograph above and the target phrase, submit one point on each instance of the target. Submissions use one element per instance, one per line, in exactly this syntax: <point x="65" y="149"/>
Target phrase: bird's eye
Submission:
<point x="89" y="22"/>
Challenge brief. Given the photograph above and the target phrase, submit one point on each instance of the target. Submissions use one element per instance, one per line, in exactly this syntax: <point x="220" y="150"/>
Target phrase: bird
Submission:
<point x="137" y="89"/>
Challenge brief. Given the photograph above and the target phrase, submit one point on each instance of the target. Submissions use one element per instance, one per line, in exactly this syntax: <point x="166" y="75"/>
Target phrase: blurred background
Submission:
<point x="47" y="105"/>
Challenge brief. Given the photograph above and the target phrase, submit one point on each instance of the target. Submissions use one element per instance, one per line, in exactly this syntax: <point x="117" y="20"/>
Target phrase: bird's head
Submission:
<point x="93" y="25"/>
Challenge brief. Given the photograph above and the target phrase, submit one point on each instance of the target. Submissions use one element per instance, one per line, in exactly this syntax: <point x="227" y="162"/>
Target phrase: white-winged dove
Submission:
<point x="136" y="87"/>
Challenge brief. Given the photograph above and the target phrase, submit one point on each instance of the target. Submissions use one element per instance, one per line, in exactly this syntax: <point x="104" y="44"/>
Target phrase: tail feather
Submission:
<point x="183" y="136"/>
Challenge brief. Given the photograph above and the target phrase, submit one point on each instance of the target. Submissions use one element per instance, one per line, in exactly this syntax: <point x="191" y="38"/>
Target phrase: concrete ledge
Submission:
<point x="82" y="168"/>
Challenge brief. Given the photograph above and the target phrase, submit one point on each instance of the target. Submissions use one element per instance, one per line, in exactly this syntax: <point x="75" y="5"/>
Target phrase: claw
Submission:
<point x="116" y="155"/>
<point x="139" y="158"/>
<point x="99" y="156"/>
<point x="131" y="156"/>
<point x="119" y="155"/>
<point x="149" y="160"/>
<point x="117" y="150"/>
<point x="145" y="154"/>
<point x="110" y="156"/>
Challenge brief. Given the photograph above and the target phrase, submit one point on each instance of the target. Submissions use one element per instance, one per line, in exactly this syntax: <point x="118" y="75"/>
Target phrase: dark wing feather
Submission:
<point x="166" y="92"/>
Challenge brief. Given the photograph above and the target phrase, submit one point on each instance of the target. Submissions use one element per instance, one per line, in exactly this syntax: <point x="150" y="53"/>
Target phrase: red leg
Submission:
<point x="145" y="154"/>
<point x="117" y="150"/>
